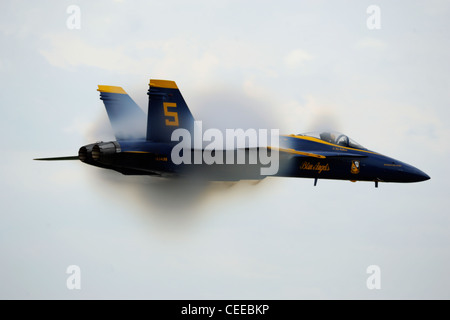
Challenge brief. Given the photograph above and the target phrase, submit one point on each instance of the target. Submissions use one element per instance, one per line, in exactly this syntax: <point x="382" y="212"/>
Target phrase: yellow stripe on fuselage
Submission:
<point x="136" y="152"/>
<point x="293" y="151"/>
<point x="111" y="89"/>
<point x="163" y="84"/>
<point x="327" y="143"/>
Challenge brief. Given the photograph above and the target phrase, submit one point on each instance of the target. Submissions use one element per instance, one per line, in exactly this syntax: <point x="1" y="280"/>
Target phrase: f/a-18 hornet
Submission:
<point x="168" y="142"/>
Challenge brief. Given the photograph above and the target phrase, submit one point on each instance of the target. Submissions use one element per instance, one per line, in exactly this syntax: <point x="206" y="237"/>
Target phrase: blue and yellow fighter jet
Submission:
<point x="144" y="146"/>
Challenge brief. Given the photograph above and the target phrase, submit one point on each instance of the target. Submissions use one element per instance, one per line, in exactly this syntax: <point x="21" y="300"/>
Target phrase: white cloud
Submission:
<point x="70" y="52"/>
<point x="313" y="114"/>
<point x="188" y="60"/>
<point x="371" y="43"/>
<point x="297" y="58"/>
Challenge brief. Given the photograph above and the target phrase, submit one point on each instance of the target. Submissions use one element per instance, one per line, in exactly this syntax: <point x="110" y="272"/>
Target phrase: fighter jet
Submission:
<point x="167" y="142"/>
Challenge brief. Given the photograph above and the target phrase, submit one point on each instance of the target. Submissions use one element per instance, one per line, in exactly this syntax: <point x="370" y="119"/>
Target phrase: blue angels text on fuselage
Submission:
<point x="144" y="146"/>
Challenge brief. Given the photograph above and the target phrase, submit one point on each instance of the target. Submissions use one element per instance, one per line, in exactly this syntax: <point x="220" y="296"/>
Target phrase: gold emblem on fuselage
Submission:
<point x="355" y="167"/>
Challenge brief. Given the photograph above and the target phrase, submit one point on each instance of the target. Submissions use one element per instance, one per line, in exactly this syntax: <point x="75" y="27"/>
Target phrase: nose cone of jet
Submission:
<point x="412" y="174"/>
<point x="397" y="171"/>
<point x="418" y="175"/>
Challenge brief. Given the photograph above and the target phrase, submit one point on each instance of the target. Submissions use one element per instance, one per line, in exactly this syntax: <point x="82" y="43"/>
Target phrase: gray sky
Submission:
<point x="280" y="64"/>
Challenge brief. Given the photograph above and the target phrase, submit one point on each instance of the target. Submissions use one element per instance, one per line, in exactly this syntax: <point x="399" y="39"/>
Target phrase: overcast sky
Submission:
<point x="290" y="65"/>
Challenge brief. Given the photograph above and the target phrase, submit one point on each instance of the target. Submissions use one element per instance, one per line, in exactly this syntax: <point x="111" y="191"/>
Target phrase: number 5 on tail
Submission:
<point x="172" y="114"/>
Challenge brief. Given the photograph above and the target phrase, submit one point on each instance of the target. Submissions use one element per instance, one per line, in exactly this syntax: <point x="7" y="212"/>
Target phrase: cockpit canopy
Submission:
<point x="335" y="138"/>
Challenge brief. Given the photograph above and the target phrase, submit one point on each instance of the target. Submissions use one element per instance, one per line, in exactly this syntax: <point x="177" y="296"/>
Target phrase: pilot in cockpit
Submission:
<point x="328" y="137"/>
<point x="335" y="137"/>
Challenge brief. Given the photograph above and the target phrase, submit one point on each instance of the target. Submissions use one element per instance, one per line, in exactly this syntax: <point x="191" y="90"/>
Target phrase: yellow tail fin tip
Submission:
<point x="111" y="89"/>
